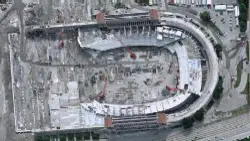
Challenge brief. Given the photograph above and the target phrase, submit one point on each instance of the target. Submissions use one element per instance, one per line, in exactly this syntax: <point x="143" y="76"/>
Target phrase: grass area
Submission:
<point x="239" y="71"/>
<point x="247" y="89"/>
<point x="245" y="139"/>
<point x="239" y="111"/>
<point x="247" y="50"/>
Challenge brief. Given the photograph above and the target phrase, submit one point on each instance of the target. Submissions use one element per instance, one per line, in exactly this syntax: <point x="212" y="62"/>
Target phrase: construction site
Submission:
<point x="104" y="73"/>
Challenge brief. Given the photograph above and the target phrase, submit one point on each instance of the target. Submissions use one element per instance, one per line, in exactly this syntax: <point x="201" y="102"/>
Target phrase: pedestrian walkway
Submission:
<point x="243" y="82"/>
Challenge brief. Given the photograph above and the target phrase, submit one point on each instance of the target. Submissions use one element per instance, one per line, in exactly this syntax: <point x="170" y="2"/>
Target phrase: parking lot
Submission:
<point x="226" y="22"/>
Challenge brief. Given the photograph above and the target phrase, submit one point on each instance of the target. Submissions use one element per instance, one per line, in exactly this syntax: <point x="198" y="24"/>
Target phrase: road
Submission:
<point x="6" y="13"/>
<point x="228" y="128"/>
<point x="8" y="129"/>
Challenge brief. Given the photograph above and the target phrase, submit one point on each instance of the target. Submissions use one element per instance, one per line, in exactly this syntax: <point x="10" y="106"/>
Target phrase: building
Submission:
<point x="220" y="7"/>
<point x="224" y="2"/>
<point x="236" y="11"/>
<point x="3" y="1"/>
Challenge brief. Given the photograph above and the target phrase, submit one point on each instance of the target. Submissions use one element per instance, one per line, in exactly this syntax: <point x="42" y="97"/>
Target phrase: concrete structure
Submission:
<point x="68" y="113"/>
<point x="213" y="64"/>
<point x="225" y="2"/>
<point x="204" y="2"/>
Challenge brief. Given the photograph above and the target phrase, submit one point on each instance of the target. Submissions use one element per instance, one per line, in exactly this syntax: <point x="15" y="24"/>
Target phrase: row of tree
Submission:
<point x="243" y="6"/>
<point x="218" y="89"/>
<point x="205" y="16"/>
<point x="218" y="50"/>
<point x="142" y="2"/>
<point x="199" y="115"/>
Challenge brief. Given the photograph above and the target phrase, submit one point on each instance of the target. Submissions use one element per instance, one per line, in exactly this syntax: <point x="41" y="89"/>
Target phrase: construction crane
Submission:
<point x="61" y="44"/>
<point x="61" y="38"/>
<point x="101" y="95"/>
<point x="132" y="54"/>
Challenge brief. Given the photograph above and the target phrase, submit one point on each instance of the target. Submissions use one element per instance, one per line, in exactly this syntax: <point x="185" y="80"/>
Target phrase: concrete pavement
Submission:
<point x="243" y="81"/>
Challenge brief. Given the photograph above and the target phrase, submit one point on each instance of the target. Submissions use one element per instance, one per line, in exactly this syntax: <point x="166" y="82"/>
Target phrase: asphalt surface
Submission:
<point x="226" y="129"/>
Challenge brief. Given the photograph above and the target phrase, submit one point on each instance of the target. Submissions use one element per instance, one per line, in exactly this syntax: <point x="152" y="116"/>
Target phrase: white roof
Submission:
<point x="166" y="27"/>
<point x="230" y="9"/>
<point x="178" y="33"/>
<point x="209" y="2"/>
<point x="166" y="31"/>
<point x="183" y="65"/>
<point x="55" y="118"/>
<point x="195" y="76"/>
<point x="159" y="29"/>
<point x="159" y="36"/>
<point x="230" y="6"/>
<point x="64" y="100"/>
<point x="220" y="7"/>
<point x="73" y="90"/>
<point x="171" y="32"/>
<point x="54" y="102"/>
<point x="236" y="11"/>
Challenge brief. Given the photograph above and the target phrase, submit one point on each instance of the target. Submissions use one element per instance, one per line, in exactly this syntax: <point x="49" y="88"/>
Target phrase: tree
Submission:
<point x="243" y="8"/>
<point x="218" y="50"/>
<point x="247" y="50"/>
<point x="243" y="26"/>
<point x="199" y="115"/>
<point x="218" y="89"/>
<point x="187" y="123"/>
<point x="119" y="5"/>
<point x="205" y="16"/>
<point x="42" y="137"/>
<point x="243" y="17"/>
<point x="142" y="2"/>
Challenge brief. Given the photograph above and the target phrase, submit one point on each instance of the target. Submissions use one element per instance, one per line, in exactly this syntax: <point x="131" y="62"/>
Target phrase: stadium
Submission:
<point x="122" y="73"/>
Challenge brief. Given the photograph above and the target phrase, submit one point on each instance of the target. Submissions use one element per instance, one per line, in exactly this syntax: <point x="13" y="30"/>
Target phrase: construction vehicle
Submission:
<point x="61" y="44"/>
<point x="61" y="34"/>
<point x="61" y="38"/>
<point x="101" y="95"/>
<point x="171" y="89"/>
<point x="132" y="55"/>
